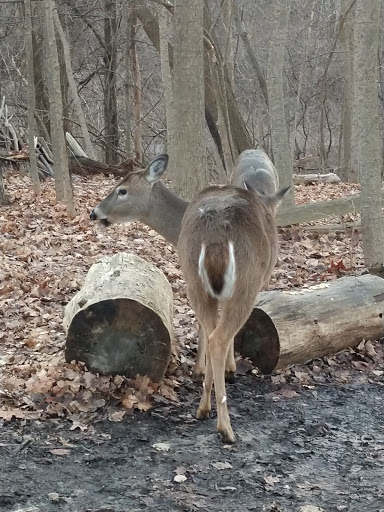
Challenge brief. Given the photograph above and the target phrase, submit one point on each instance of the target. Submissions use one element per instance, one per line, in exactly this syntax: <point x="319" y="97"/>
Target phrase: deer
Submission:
<point x="227" y="251"/>
<point x="142" y="196"/>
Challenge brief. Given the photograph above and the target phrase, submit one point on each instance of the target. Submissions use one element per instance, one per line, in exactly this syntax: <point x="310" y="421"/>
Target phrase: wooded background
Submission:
<point x="201" y="80"/>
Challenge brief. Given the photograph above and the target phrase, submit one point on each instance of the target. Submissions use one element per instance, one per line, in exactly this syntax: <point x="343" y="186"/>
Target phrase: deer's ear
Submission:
<point x="156" y="168"/>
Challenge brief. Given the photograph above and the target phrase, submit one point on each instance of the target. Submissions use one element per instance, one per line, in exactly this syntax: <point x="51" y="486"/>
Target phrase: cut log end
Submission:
<point x="119" y="337"/>
<point x="259" y="341"/>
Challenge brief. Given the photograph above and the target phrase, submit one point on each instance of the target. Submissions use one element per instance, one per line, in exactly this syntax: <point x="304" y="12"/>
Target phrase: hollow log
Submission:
<point x="294" y="327"/>
<point x="120" y="322"/>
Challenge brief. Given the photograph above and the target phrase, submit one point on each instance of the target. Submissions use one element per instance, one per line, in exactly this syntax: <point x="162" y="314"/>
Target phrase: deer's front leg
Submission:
<point x="199" y="369"/>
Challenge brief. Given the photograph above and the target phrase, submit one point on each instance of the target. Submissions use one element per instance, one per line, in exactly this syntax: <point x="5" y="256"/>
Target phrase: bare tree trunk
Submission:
<point x="31" y="98"/>
<point x="228" y="49"/>
<point x="349" y="166"/>
<point x="223" y="122"/>
<point x="252" y="57"/>
<point x="240" y="135"/>
<point x="190" y="147"/>
<point x="323" y="86"/>
<point x="165" y="24"/>
<point x="73" y="87"/>
<point x="4" y="199"/>
<point x="300" y="82"/>
<point x="127" y="25"/>
<point x="64" y="85"/>
<point x="279" y="130"/>
<point x="367" y="20"/>
<point x="110" y="101"/>
<point x="41" y="90"/>
<point x="137" y="142"/>
<point x="62" y="178"/>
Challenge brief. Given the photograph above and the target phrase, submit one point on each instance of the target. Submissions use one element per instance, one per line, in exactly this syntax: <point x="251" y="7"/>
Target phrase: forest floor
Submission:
<point x="310" y="438"/>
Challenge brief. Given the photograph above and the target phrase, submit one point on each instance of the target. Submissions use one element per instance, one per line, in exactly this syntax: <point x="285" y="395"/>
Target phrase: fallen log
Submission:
<point x="120" y="322"/>
<point x="330" y="177"/>
<point x="85" y="166"/>
<point x="293" y="327"/>
<point x="318" y="210"/>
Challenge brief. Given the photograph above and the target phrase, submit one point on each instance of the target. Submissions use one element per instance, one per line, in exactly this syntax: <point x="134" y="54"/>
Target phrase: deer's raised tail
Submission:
<point x="217" y="269"/>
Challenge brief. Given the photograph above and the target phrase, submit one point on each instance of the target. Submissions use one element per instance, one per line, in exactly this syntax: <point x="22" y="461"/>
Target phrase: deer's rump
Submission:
<point x="222" y="225"/>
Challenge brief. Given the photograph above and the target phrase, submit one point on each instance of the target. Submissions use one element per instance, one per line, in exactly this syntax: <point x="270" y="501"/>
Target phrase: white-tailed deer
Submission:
<point x="254" y="167"/>
<point x="227" y="250"/>
<point x="141" y="196"/>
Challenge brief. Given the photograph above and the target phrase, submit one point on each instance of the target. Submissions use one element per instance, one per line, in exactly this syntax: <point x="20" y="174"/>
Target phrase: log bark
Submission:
<point x="294" y="327"/>
<point x="120" y="322"/>
<point x="330" y="177"/>
<point x="319" y="210"/>
<point x="85" y="166"/>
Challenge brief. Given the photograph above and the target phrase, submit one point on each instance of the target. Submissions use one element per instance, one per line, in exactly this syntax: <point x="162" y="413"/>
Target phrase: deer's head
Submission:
<point x="129" y="200"/>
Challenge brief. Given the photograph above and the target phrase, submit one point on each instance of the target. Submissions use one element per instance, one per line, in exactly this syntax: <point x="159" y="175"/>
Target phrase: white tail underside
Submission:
<point x="229" y="276"/>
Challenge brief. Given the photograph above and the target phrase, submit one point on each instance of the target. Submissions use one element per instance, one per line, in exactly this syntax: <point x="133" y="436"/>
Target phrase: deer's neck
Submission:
<point x="165" y="212"/>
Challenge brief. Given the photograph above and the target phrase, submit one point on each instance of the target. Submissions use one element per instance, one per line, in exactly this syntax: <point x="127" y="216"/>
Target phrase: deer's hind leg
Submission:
<point x="235" y="313"/>
<point x="205" y="308"/>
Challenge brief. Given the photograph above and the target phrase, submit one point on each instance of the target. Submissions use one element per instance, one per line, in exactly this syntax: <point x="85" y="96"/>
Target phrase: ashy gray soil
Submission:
<point x="319" y="450"/>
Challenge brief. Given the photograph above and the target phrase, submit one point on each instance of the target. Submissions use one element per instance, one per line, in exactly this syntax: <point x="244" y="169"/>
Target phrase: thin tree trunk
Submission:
<point x="165" y="24"/>
<point x="223" y="124"/>
<point x="41" y="89"/>
<point x="252" y="57"/>
<point x="62" y="178"/>
<point x="64" y="85"/>
<point x="31" y="98"/>
<point x="367" y="20"/>
<point x="73" y="87"/>
<point x="300" y="81"/>
<point x="127" y="24"/>
<point x="110" y="100"/>
<point x="4" y="198"/>
<point x="323" y="86"/>
<point x="228" y="49"/>
<point x="137" y="142"/>
<point x="190" y="146"/>
<point x="349" y="165"/>
<point x="279" y="130"/>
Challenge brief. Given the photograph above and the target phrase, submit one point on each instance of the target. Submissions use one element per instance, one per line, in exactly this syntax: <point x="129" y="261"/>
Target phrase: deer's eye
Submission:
<point x="122" y="192"/>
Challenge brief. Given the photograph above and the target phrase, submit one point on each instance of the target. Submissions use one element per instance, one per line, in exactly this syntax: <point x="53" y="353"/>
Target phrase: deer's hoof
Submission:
<point x="230" y="377"/>
<point x="227" y="435"/>
<point x="202" y="413"/>
<point x="197" y="377"/>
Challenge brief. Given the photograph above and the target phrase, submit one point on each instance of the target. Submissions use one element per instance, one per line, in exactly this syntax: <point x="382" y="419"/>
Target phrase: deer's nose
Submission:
<point x="92" y="215"/>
